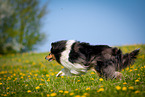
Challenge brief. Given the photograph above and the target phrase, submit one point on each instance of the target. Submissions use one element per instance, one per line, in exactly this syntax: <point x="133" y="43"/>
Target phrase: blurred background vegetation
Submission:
<point x="20" y="22"/>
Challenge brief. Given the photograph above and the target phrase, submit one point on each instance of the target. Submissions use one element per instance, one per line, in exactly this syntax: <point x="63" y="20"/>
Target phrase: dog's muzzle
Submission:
<point x="50" y="57"/>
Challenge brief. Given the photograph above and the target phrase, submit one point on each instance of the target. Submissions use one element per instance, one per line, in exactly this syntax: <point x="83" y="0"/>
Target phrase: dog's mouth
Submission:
<point x="50" y="57"/>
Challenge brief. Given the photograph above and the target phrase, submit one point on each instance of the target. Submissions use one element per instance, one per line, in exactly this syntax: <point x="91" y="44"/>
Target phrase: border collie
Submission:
<point x="78" y="57"/>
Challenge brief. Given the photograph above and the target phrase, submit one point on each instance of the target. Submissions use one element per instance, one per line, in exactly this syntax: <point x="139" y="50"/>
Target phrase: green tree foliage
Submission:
<point x="20" y="22"/>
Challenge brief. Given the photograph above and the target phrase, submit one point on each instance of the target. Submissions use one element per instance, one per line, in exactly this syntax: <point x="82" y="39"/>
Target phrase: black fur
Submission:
<point x="104" y="59"/>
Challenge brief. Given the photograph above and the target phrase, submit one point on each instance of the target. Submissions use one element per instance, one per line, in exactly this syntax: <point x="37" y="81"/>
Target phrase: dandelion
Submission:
<point x="78" y="80"/>
<point x="118" y="87"/>
<point x="1" y="83"/>
<point x="92" y="73"/>
<point x="136" y="80"/>
<point x="101" y="79"/>
<point x="76" y="89"/>
<point x="71" y="94"/>
<point x="86" y="94"/>
<point x="131" y="88"/>
<point x="136" y="92"/>
<point x="29" y="91"/>
<point x="92" y="78"/>
<point x="53" y="94"/>
<point x="48" y="95"/>
<point x="37" y="88"/>
<point x="47" y="75"/>
<point x="66" y="92"/>
<point x="88" y="88"/>
<point x="60" y="91"/>
<point x="124" y="88"/>
<point x="124" y="83"/>
<point x="77" y="96"/>
<point x="40" y="84"/>
<point x="101" y="90"/>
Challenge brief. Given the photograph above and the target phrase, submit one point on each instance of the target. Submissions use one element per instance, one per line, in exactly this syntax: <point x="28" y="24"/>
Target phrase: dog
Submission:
<point x="79" y="57"/>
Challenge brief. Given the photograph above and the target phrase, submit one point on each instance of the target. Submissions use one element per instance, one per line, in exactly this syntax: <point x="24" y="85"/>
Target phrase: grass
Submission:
<point x="30" y="75"/>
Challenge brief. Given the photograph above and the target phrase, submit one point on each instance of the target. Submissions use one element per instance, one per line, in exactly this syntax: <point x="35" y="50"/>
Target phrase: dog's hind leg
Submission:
<point x="107" y="69"/>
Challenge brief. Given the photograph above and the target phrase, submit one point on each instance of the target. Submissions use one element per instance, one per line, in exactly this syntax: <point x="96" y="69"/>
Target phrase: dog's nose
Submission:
<point x="46" y="58"/>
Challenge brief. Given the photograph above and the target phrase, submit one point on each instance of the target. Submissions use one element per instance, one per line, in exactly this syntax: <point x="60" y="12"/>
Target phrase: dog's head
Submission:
<point x="56" y="49"/>
<point x="50" y="57"/>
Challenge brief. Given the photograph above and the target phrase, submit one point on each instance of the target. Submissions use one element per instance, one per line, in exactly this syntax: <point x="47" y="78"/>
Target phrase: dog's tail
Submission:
<point x="127" y="59"/>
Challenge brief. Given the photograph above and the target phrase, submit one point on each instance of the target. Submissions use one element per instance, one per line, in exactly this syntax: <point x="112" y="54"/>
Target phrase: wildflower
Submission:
<point x="47" y="75"/>
<point x="40" y="84"/>
<point x="66" y="92"/>
<point x="131" y="88"/>
<point x="78" y="80"/>
<point x="76" y="89"/>
<point x="136" y="80"/>
<point x="124" y="88"/>
<point x="77" y="96"/>
<point x="88" y="88"/>
<point x="100" y="90"/>
<point x="53" y="94"/>
<point x="51" y="90"/>
<point x="71" y="94"/>
<point x="1" y="83"/>
<point x="136" y="92"/>
<point x="7" y="88"/>
<point x="48" y="95"/>
<point x="101" y="79"/>
<point x="60" y="91"/>
<point x="86" y="94"/>
<point x="124" y="83"/>
<point x="118" y="87"/>
<point x="37" y="87"/>
<point x="92" y="73"/>
<point x="92" y="78"/>
<point x="29" y="91"/>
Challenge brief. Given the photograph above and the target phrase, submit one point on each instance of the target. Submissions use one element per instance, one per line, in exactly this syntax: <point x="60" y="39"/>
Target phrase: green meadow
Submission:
<point x="30" y="75"/>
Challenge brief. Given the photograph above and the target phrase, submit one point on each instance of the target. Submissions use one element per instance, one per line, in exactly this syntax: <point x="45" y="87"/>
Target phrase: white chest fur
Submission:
<point x="76" y="69"/>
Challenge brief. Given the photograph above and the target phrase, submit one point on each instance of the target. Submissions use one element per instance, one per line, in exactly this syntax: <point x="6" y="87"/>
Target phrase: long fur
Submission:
<point x="78" y="57"/>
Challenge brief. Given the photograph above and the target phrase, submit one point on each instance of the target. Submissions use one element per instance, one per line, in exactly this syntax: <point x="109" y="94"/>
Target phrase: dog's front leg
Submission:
<point x="63" y="72"/>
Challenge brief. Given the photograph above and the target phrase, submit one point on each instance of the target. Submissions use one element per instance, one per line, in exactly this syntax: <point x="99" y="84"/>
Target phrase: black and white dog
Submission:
<point x="78" y="57"/>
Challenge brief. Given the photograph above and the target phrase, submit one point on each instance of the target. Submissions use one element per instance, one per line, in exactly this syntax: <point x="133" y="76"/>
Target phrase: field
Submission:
<point x="30" y="75"/>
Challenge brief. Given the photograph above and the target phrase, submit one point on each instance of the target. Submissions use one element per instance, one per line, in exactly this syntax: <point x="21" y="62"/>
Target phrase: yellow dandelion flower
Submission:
<point x="53" y="94"/>
<point x="124" y="83"/>
<point x="1" y="83"/>
<point x="92" y="78"/>
<point x="40" y="84"/>
<point x="51" y="90"/>
<point x="48" y="95"/>
<point x="137" y="92"/>
<point x="136" y="80"/>
<point x="86" y="94"/>
<point x="62" y="76"/>
<point x="76" y="89"/>
<point x="7" y="88"/>
<point x="78" y="80"/>
<point x="37" y="87"/>
<point x="118" y="87"/>
<point x="71" y="94"/>
<point x="29" y="91"/>
<point x="88" y="88"/>
<point x="77" y="96"/>
<point x="131" y="88"/>
<point x="101" y="90"/>
<point x="92" y="73"/>
<point x="66" y="92"/>
<point x="124" y="88"/>
<point x="102" y="86"/>
<point x="101" y="79"/>
<point x="47" y="75"/>
<point x="60" y="91"/>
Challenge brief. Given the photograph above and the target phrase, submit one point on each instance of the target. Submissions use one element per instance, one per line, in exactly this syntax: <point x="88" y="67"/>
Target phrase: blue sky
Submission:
<point x="110" y="22"/>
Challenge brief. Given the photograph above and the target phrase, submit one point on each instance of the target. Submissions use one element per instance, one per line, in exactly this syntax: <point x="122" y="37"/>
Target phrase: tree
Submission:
<point x="20" y="22"/>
